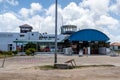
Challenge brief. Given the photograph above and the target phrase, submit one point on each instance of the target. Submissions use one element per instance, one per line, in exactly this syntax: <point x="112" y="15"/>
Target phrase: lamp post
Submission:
<point x="55" y="55"/>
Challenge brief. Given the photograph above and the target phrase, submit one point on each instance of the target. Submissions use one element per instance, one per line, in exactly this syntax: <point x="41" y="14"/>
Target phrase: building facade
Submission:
<point x="115" y="46"/>
<point x="17" y="41"/>
<point x="90" y="40"/>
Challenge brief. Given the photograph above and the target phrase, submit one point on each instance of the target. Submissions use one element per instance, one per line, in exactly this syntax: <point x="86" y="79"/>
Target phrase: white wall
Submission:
<point x="33" y="35"/>
<point x="7" y="38"/>
<point x="102" y="50"/>
<point x="114" y="48"/>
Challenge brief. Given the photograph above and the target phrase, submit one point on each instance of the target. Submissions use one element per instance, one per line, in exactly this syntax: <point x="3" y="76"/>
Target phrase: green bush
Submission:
<point x="30" y="45"/>
<point x="1" y="52"/>
<point x="7" y="53"/>
<point x="14" y="52"/>
<point x="30" y="51"/>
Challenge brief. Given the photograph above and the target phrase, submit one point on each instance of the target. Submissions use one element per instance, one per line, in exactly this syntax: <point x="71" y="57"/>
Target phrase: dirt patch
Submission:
<point x="91" y="73"/>
<point x="27" y="68"/>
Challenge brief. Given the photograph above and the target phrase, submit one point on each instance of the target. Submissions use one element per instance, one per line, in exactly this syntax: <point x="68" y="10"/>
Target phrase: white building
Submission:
<point x="6" y="41"/>
<point x="115" y="46"/>
<point x="14" y="41"/>
<point x="46" y="42"/>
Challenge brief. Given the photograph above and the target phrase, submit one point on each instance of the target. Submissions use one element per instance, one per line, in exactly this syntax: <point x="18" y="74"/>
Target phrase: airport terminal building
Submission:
<point x="95" y="41"/>
<point x="16" y="41"/>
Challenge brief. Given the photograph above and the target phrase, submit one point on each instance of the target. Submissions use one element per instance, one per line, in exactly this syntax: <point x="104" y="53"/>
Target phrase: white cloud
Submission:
<point x="50" y="19"/>
<point x="35" y="7"/>
<point x="92" y="14"/>
<point x="71" y="11"/>
<point x="9" y="16"/>
<point x="11" y="2"/>
<point x="108" y="21"/>
<point x="51" y="11"/>
<point x="77" y="15"/>
<point x="48" y="25"/>
<point x="9" y="22"/>
<point x="115" y="8"/>
<point x="97" y="6"/>
<point x="24" y="12"/>
<point x="35" y="21"/>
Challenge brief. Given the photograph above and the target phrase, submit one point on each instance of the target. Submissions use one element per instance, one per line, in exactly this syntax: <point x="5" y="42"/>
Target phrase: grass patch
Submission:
<point x="87" y="66"/>
<point x="2" y="56"/>
<point x="45" y="67"/>
<point x="51" y="67"/>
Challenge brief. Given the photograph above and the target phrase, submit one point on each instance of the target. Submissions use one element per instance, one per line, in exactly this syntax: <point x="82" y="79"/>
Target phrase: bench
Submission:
<point x="72" y="62"/>
<point x="66" y="65"/>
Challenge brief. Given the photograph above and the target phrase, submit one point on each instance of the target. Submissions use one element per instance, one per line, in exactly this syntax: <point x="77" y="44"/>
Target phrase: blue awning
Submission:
<point x="88" y="35"/>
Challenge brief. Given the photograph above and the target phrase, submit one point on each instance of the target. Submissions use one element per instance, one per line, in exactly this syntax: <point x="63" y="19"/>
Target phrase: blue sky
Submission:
<point x="44" y="3"/>
<point x="103" y="15"/>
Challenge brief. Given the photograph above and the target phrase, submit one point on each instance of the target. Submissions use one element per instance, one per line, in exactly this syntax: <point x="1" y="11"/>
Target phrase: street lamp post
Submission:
<point x="55" y="55"/>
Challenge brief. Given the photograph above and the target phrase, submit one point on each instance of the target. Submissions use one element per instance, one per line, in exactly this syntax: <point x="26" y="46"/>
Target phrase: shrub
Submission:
<point x="30" y="51"/>
<point x="30" y="45"/>
<point x="15" y="52"/>
<point x="7" y="52"/>
<point x="1" y="52"/>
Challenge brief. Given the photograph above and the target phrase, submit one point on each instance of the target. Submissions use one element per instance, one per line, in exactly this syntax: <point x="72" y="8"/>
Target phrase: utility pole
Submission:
<point x="55" y="55"/>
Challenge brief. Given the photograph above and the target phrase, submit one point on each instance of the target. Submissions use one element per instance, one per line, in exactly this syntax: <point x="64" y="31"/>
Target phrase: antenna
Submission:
<point x="62" y="19"/>
<point x="39" y="25"/>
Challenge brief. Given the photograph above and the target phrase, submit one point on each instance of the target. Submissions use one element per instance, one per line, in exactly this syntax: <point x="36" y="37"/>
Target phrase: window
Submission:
<point x="118" y="47"/>
<point x="21" y="35"/>
<point x="10" y="47"/>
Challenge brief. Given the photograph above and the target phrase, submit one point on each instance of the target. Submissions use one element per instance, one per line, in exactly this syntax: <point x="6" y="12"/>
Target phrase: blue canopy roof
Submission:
<point x="88" y="35"/>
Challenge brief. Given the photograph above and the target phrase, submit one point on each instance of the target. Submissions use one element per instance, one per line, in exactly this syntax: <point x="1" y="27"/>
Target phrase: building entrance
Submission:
<point x="87" y="47"/>
<point x="90" y="47"/>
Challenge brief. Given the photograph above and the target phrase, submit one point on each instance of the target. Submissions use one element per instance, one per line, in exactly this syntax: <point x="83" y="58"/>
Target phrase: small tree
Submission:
<point x="30" y="45"/>
<point x="15" y="52"/>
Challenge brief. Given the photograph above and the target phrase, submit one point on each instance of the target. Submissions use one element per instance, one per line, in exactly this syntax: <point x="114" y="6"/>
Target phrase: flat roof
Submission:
<point x="24" y="41"/>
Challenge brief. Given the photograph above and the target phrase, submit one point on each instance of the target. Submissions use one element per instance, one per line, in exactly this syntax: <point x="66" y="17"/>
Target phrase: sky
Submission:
<point x="103" y="15"/>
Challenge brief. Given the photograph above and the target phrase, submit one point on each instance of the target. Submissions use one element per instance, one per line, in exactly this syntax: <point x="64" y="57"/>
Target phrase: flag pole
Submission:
<point x="55" y="55"/>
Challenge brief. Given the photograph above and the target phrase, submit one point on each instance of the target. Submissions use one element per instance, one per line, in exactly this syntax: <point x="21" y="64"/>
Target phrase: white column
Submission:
<point x="88" y="50"/>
